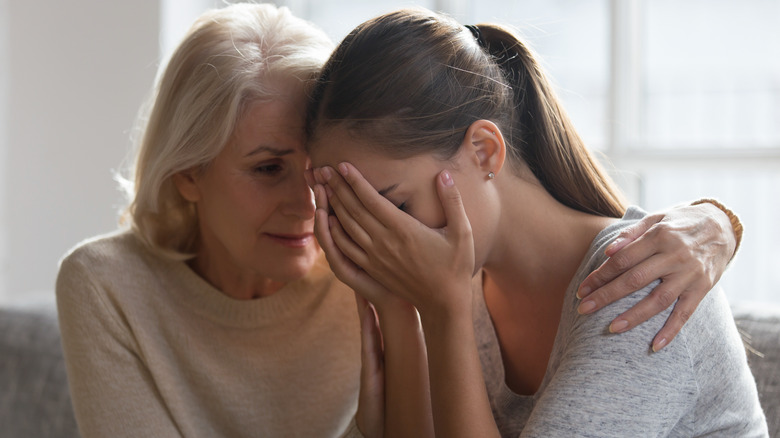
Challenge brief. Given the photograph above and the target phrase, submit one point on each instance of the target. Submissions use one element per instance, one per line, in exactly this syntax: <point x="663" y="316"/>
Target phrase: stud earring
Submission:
<point x="491" y="175"/>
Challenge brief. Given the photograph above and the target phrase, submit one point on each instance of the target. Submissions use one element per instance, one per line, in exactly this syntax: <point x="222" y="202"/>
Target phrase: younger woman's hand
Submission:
<point x="346" y="271"/>
<point x="394" y="395"/>
<point x="430" y="268"/>
<point x="688" y="248"/>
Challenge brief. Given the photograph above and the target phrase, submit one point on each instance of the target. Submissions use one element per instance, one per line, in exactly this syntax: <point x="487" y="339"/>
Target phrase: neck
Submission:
<point x="231" y="280"/>
<point x="540" y="243"/>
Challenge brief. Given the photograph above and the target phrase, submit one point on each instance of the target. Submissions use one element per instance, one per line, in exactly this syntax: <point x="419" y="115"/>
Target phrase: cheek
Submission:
<point x="484" y="213"/>
<point x="428" y="210"/>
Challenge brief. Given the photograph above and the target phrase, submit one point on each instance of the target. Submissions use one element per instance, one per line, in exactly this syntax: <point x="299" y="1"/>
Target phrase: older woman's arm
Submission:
<point x="112" y="390"/>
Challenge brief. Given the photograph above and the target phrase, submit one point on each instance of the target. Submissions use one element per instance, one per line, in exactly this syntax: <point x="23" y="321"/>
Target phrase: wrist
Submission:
<point x="396" y="309"/>
<point x="732" y="220"/>
<point x="448" y="317"/>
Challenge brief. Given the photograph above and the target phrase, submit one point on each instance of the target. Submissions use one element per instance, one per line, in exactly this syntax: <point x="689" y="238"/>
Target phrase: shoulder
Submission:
<point x="105" y="265"/>
<point x="595" y="255"/>
<point x="586" y="342"/>
<point x="116" y="250"/>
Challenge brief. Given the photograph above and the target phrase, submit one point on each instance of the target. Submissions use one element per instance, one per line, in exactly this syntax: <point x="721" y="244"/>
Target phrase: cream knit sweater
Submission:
<point x="153" y="350"/>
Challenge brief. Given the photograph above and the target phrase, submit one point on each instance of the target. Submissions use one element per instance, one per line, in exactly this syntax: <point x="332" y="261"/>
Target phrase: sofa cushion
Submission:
<point x="762" y="337"/>
<point x="34" y="398"/>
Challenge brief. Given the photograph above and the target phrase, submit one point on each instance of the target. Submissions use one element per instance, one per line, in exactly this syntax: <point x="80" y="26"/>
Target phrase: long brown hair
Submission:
<point x="413" y="81"/>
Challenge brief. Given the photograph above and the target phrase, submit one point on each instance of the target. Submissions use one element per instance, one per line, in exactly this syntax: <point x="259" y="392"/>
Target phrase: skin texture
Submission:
<point x="256" y="213"/>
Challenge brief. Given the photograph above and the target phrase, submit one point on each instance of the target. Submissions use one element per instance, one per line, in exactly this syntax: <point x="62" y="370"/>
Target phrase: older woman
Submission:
<point x="163" y="331"/>
<point x="214" y="313"/>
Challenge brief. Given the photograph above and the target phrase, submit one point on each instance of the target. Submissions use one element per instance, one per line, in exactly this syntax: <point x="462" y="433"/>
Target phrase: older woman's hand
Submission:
<point x="688" y="248"/>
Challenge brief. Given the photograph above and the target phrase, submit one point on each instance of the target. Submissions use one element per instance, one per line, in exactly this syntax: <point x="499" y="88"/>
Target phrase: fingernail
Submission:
<point x="618" y="326"/>
<point x="583" y="292"/>
<point x="446" y="178"/>
<point x="586" y="307"/>
<point x="659" y="345"/>
<point x="326" y="173"/>
<point x="615" y="243"/>
<point x="343" y="169"/>
<point x="331" y="221"/>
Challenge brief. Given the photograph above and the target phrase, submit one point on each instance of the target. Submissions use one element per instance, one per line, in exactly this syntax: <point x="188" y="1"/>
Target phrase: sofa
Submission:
<point x="34" y="399"/>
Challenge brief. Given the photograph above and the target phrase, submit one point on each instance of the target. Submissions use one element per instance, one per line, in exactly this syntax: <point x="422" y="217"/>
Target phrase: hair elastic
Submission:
<point x="477" y="34"/>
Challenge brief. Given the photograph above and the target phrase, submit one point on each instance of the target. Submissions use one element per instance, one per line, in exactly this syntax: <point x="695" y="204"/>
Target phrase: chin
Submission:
<point x="292" y="268"/>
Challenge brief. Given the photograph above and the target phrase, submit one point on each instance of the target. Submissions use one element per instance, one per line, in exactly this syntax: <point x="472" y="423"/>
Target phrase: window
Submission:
<point x="682" y="96"/>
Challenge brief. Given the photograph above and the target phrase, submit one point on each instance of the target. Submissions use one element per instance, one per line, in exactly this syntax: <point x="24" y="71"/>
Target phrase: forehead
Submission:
<point x="276" y="120"/>
<point x="335" y="145"/>
<point x="332" y="146"/>
<point x="284" y="112"/>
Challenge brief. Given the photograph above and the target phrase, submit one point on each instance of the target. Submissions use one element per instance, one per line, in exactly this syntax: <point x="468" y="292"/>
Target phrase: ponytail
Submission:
<point x="413" y="82"/>
<point x="543" y="136"/>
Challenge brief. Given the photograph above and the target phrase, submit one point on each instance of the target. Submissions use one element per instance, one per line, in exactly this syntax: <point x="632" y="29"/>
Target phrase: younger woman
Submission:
<point x="418" y="103"/>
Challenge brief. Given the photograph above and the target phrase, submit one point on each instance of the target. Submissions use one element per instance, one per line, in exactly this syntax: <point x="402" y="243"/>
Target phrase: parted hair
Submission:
<point x="230" y="57"/>
<point x="413" y="81"/>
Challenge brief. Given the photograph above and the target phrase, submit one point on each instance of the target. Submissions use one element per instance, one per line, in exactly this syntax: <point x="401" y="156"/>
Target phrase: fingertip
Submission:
<point x="584" y="291"/>
<point x="615" y="246"/>
<point x="446" y="179"/>
<point x="343" y="169"/>
<point x="618" y="326"/>
<point x="659" y="344"/>
<point x="327" y="173"/>
<point x="318" y="177"/>
<point x="586" y="307"/>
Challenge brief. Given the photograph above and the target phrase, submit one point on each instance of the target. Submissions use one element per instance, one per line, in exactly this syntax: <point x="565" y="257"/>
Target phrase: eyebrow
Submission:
<point x="273" y="151"/>
<point x="387" y="190"/>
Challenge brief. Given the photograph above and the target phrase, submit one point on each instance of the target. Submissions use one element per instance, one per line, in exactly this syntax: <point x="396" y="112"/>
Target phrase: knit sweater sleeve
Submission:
<point x="112" y="389"/>
<point x="613" y="385"/>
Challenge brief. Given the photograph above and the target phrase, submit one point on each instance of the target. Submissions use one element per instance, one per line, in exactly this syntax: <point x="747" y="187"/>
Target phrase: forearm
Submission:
<point x="460" y="402"/>
<point x="113" y="392"/>
<point x="407" y="393"/>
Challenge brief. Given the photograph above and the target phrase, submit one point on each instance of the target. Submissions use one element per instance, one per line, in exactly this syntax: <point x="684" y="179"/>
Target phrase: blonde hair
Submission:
<point x="230" y="57"/>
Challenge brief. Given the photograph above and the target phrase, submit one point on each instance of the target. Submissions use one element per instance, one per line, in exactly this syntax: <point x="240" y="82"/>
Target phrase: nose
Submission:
<point x="299" y="201"/>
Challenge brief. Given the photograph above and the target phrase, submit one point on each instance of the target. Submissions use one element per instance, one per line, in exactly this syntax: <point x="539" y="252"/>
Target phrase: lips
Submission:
<point x="292" y="240"/>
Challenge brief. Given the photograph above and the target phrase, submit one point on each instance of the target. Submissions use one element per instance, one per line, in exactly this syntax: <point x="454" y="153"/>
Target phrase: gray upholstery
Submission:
<point x="34" y="399"/>
<point x="763" y="338"/>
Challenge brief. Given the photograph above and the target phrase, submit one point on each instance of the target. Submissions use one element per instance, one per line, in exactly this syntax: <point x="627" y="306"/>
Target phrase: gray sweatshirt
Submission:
<point x="599" y="384"/>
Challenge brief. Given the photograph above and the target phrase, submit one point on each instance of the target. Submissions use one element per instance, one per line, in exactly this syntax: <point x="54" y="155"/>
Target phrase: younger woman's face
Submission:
<point x="410" y="183"/>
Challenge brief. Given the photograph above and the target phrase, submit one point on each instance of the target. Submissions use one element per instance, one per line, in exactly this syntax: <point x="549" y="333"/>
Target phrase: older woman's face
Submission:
<point x="255" y="209"/>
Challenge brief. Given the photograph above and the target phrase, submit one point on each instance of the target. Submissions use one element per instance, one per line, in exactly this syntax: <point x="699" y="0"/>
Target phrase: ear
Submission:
<point x="187" y="186"/>
<point x="487" y="144"/>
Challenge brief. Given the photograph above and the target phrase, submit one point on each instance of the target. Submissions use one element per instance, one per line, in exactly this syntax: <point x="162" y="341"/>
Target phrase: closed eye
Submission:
<point x="269" y="169"/>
